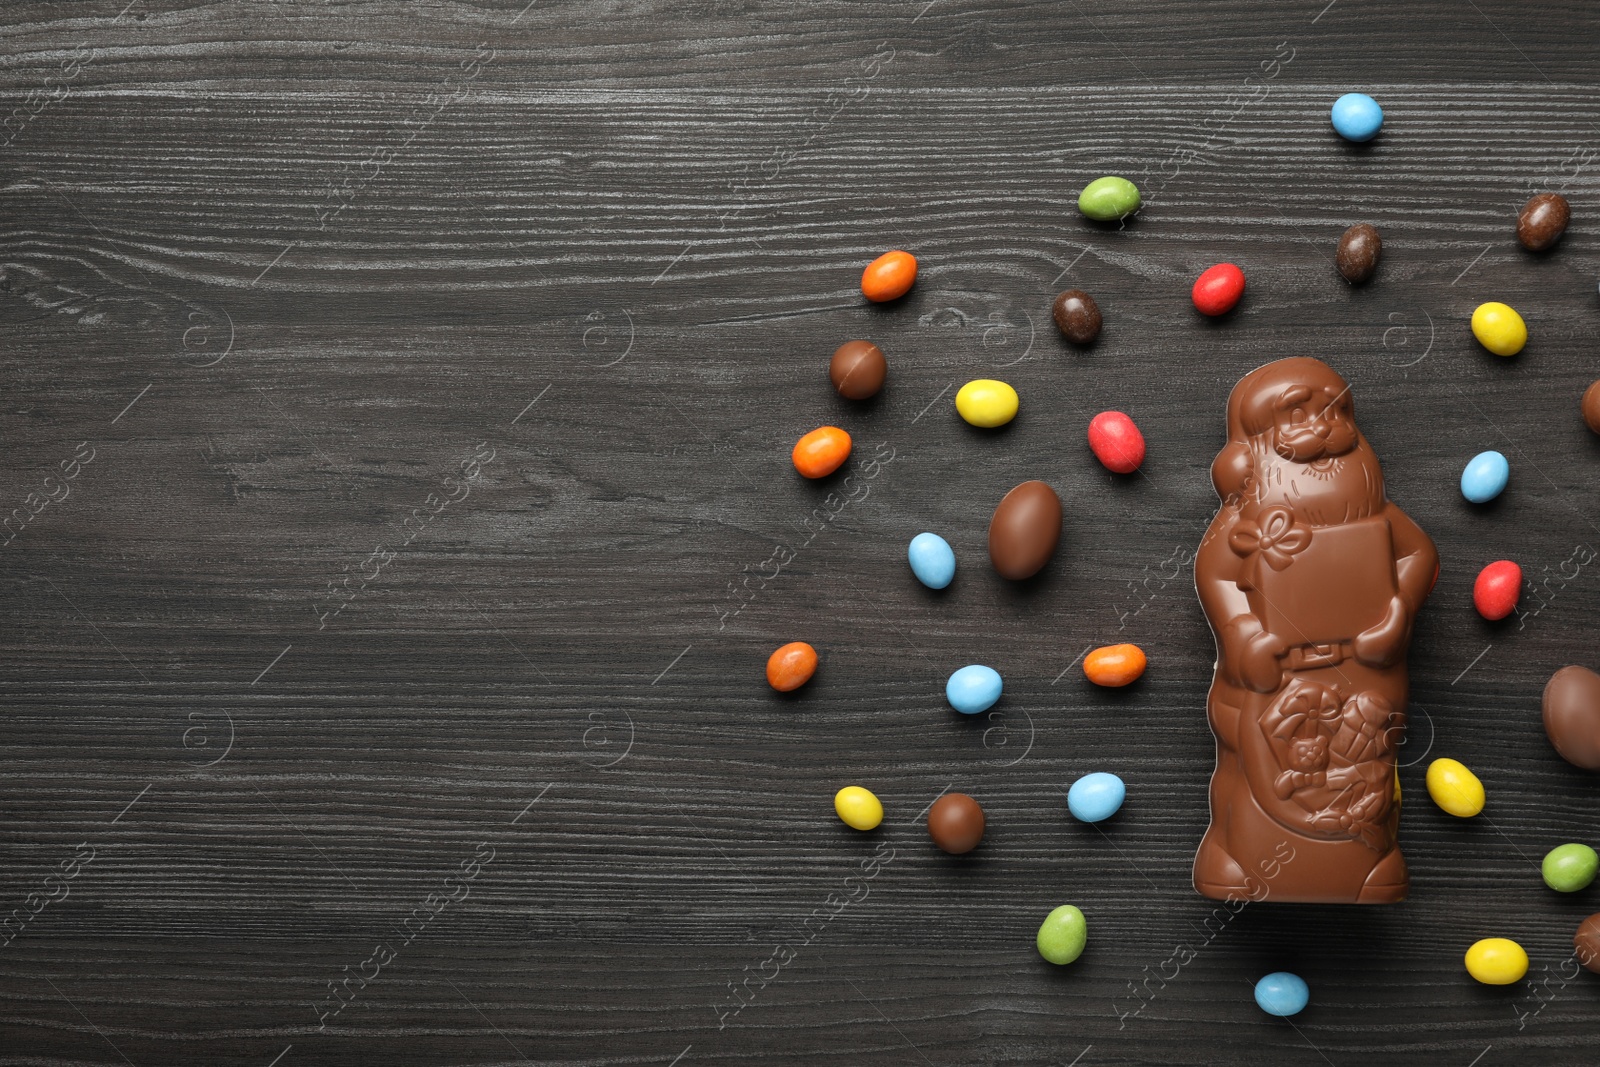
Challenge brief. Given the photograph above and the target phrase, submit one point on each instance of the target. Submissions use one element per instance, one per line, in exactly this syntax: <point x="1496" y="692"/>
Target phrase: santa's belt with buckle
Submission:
<point x="1307" y="657"/>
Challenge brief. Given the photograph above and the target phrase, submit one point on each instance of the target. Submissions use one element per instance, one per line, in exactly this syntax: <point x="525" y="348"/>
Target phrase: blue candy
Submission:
<point x="1485" y="477"/>
<point x="932" y="560"/>
<point x="1357" y="117"/>
<point x="1283" y="994"/>
<point x="1096" y="797"/>
<point x="973" y="689"/>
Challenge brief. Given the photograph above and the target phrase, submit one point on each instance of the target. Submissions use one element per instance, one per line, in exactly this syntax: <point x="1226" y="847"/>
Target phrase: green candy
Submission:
<point x="1062" y="935"/>
<point x="1566" y="869"/>
<point x="1109" y="198"/>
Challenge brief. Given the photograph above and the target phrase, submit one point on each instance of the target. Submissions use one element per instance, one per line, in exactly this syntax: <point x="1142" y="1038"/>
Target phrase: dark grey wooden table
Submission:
<point x="397" y="406"/>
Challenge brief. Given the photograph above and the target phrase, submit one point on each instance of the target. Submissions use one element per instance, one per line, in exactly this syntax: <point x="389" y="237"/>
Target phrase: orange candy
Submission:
<point x="889" y="277"/>
<point x="821" y="452"/>
<point x="791" y="666"/>
<point x="1114" y="665"/>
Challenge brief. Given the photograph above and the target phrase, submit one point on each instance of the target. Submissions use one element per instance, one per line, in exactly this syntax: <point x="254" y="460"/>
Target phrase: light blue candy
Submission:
<point x="1283" y="994"/>
<point x="1096" y="797"/>
<point x="973" y="689"/>
<point x="932" y="560"/>
<point x="1357" y="117"/>
<point x="1485" y="477"/>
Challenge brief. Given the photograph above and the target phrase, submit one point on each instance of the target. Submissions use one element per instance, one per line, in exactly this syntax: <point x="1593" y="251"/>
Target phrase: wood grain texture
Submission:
<point x="284" y="267"/>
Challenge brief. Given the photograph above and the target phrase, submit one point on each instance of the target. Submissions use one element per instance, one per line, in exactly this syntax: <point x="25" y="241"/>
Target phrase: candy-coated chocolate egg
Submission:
<point x="1062" y="935"/>
<point x="1497" y="961"/>
<point x="1485" y="477"/>
<point x="1108" y="199"/>
<point x="791" y="666"/>
<point x="1114" y="665"/>
<point x="1590" y="406"/>
<point x="889" y="277"/>
<point x="1571" y="710"/>
<point x="1096" y="797"/>
<point x="956" y="823"/>
<point x="1499" y="328"/>
<point x="1358" y="253"/>
<point x="1497" y="589"/>
<point x="932" y="559"/>
<point x="821" y="452"/>
<point x="859" y="809"/>
<point x="1454" y="788"/>
<point x="1077" y="316"/>
<point x="1024" y="530"/>
<point x="1357" y="117"/>
<point x="1282" y="994"/>
<point x="986" y="402"/>
<point x="1218" y="289"/>
<point x="1116" y="442"/>
<point x="1569" y="868"/>
<point x="973" y="689"/>
<point x="1542" y="221"/>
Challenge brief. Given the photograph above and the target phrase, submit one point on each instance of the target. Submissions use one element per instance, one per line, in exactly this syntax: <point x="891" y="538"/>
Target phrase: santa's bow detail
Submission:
<point x="1273" y="536"/>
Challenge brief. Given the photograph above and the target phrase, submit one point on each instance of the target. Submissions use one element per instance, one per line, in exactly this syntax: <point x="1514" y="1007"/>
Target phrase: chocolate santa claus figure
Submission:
<point x="1311" y="580"/>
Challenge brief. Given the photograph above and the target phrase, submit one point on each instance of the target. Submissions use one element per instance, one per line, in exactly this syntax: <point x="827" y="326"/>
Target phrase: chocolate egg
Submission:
<point x="858" y="369"/>
<point x="1024" y="530"/>
<point x="1586" y="943"/>
<point x="956" y="822"/>
<point x="1572" y="715"/>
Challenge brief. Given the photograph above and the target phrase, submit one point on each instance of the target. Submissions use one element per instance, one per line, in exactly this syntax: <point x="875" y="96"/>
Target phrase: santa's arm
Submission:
<point x="1416" y="567"/>
<point x="1416" y="561"/>
<point x="1248" y="654"/>
<point x="1216" y="571"/>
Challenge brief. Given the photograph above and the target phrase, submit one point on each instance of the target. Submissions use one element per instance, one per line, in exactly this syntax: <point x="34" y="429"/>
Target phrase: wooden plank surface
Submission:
<point x="278" y="277"/>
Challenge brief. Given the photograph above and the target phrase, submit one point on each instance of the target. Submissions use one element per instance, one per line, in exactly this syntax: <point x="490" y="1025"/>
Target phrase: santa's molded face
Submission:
<point x="1292" y="440"/>
<point x="1314" y="423"/>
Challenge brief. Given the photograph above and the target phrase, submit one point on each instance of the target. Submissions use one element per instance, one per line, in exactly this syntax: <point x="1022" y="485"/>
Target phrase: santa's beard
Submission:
<point x="1324" y="491"/>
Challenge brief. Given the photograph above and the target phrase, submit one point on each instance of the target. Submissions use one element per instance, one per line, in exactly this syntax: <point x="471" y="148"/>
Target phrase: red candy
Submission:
<point x="1218" y="289"/>
<point x="1495" y="592"/>
<point x="1116" y="442"/>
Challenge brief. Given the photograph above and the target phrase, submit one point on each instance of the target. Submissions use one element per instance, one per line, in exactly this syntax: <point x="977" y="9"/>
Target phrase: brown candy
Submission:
<point x="1311" y="579"/>
<point x="955" y="822"/>
<point x="858" y="369"/>
<point x="1571" y="707"/>
<point x="1542" y="221"/>
<point x="1077" y="316"/>
<point x="1586" y="943"/>
<point x="1024" y="530"/>
<point x="1591" y="406"/>
<point x="1359" y="250"/>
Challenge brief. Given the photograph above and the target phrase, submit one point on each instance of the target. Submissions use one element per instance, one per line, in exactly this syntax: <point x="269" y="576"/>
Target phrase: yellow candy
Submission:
<point x="858" y="807"/>
<point x="1454" y="788"/>
<point x="1497" y="961"/>
<point x="986" y="402"/>
<point x="1499" y="328"/>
